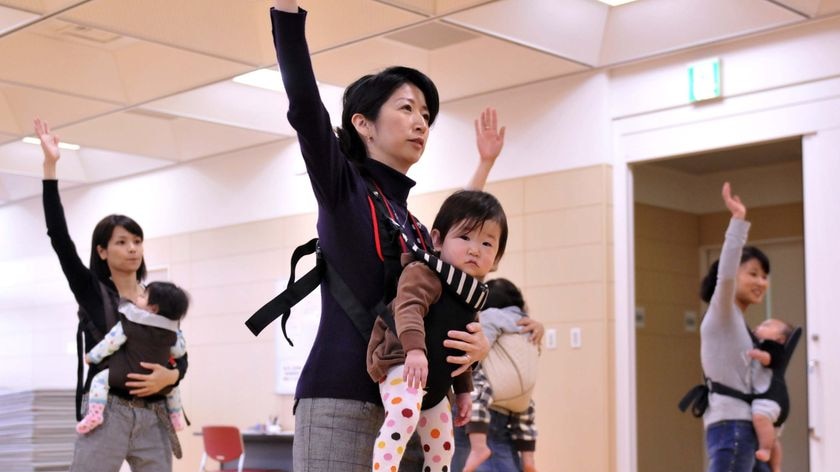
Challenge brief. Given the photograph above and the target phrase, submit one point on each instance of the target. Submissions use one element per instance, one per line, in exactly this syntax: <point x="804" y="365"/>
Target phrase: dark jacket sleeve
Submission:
<point x="83" y="283"/>
<point x="329" y="170"/>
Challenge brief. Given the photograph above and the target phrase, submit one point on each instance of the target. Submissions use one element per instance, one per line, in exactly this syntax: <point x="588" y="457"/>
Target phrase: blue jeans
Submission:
<point x="731" y="446"/>
<point x="505" y="458"/>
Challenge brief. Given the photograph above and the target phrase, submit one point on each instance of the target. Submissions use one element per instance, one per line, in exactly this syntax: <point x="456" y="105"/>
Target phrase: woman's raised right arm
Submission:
<point x="78" y="275"/>
<point x="325" y="163"/>
<point x="730" y="256"/>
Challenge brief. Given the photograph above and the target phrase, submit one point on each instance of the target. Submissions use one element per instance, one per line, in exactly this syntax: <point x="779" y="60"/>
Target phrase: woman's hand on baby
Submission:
<point x="416" y="369"/>
<point x="143" y="385"/>
<point x="530" y="325"/>
<point x="464" y="402"/>
<point x="733" y="202"/>
<point x="472" y="342"/>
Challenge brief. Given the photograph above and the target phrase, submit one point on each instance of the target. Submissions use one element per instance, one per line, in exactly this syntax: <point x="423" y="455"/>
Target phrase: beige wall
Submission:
<point x="667" y="356"/>
<point x="559" y="251"/>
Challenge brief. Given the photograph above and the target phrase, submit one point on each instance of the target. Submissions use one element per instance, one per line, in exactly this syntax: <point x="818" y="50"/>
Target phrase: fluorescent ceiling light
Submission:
<point x="268" y="79"/>
<point x="615" y="3"/>
<point x="68" y="146"/>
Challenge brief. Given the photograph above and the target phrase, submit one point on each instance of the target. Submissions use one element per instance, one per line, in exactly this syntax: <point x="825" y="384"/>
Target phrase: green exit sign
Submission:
<point x="704" y="80"/>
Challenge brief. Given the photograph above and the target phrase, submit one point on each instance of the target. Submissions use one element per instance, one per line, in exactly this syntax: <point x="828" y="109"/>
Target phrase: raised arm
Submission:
<point x="489" y="139"/>
<point x="82" y="281"/>
<point x="327" y="167"/>
<point x="730" y="256"/>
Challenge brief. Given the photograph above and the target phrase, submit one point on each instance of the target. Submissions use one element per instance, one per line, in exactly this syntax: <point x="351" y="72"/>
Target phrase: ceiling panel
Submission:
<point x="6" y="138"/>
<point x="19" y="158"/>
<point x="26" y="103"/>
<point x="126" y="132"/>
<point x="200" y="138"/>
<point x="434" y="7"/>
<point x="151" y="71"/>
<point x="8" y="124"/>
<point x="829" y="6"/>
<point x="102" y="165"/>
<point x="806" y="7"/>
<point x="238" y="30"/>
<point x="684" y="23"/>
<point x="334" y="22"/>
<point x="46" y="62"/>
<point x="230" y="103"/>
<point x="11" y="18"/>
<point x="474" y="67"/>
<point x="568" y="28"/>
<point x="341" y="66"/>
<point x="15" y="187"/>
<point x="40" y="6"/>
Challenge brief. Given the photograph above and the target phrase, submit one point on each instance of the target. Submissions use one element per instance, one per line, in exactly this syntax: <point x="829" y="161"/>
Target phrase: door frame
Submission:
<point x="810" y="111"/>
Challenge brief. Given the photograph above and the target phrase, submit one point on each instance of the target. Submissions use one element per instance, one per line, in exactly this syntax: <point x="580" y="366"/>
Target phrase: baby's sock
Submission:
<point x="177" y="419"/>
<point x="92" y="419"/>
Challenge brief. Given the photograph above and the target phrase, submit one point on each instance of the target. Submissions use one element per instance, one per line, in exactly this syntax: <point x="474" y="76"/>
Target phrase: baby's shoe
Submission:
<point x="92" y="419"/>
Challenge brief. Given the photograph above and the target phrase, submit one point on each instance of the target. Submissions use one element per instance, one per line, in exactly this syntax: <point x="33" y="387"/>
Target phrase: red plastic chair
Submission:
<point x="224" y="444"/>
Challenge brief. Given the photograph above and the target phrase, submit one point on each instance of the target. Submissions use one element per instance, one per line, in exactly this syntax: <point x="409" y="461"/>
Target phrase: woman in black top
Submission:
<point x="384" y="129"/>
<point x="133" y="429"/>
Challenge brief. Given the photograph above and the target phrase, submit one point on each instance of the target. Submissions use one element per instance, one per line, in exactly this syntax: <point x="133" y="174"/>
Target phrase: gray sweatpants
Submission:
<point x="133" y="434"/>
<point x="335" y="435"/>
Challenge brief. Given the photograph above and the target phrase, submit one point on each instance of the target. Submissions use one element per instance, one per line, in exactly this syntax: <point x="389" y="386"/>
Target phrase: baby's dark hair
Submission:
<point x="503" y="293"/>
<point x="473" y="208"/>
<point x="171" y="301"/>
<point x="707" y="286"/>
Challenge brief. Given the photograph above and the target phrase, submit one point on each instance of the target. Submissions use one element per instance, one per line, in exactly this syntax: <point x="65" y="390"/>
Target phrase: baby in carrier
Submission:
<point x="146" y="331"/>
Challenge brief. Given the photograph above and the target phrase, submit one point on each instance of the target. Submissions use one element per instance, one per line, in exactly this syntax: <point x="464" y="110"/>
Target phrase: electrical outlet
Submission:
<point x="551" y="338"/>
<point x="575" y="338"/>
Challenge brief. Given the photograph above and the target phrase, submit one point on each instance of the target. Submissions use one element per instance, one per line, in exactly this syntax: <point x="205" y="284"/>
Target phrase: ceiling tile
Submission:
<point x="19" y="158"/>
<point x="828" y="6"/>
<point x="230" y="103"/>
<point x="569" y="28"/>
<point x="684" y="23"/>
<point x="7" y="138"/>
<point x="24" y="104"/>
<point x="464" y="69"/>
<point x="332" y="23"/>
<point x="126" y="132"/>
<point x="806" y="7"/>
<point x="40" y="6"/>
<point x="102" y="165"/>
<point x="50" y="63"/>
<point x="473" y="67"/>
<point x="433" y="7"/>
<point x="11" y="18"/>
<point x="15" y="187"/>
<point x="151" y="71"/>
<point x="239" y="31"/>
<point x="201" y="138"/>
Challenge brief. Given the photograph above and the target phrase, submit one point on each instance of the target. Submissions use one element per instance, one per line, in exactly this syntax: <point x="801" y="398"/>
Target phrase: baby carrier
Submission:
<point x="698" y="397"/>
<point x="390" y="243"/>
<point x="87" y="334"/>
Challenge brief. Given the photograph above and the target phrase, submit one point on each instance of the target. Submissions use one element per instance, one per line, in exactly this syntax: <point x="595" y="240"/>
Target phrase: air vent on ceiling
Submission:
<point x="434" y="35"/>
<point x="89" y="34"/>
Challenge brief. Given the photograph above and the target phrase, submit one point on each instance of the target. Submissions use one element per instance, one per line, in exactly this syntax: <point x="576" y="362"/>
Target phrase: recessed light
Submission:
<point x="615" y="3"/>
<point x="68" y="146"/>
<point x="268" y="79"/>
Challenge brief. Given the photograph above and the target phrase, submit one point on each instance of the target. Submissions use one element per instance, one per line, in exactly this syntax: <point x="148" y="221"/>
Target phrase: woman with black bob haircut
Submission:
<point x="384" y="129"/>
<point x="137" y="427"/>
<point x="736" y="281"/>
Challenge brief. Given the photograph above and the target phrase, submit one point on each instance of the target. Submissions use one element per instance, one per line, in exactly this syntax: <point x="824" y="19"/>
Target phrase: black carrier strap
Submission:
<point x="698" y="397"/>
<point x="86" y="325"/>
<point x="390" y="242"/>
<point x="281" y="305"/>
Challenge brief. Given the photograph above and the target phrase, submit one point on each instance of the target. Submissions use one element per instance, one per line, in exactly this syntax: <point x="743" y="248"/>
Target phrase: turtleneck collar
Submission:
<point x="395" y="184"/>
